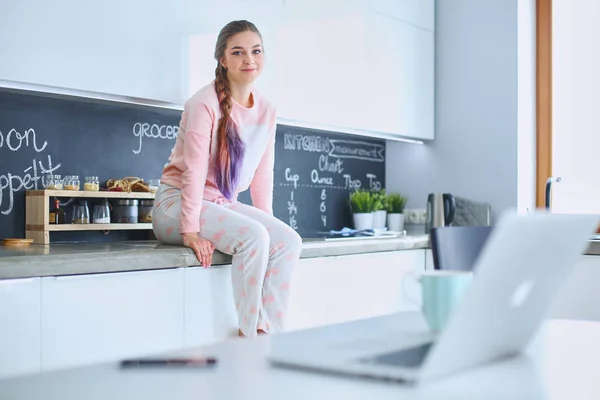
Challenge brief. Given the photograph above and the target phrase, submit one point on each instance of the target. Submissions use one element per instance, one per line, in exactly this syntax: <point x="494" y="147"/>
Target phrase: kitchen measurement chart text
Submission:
<point x="315" y="172"/>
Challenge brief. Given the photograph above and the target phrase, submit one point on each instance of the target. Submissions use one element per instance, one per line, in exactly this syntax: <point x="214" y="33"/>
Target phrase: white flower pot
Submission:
<point x="379" y="219"/>
<point x="363" y="221"/>
<point x="395" y="222"/>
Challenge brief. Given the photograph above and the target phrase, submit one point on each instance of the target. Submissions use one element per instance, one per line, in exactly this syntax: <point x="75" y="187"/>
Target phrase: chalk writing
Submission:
<point x="154" y="131"/>
<point x="11" y="183"/>
<point x="316" y="171"/>
<point x="357" y="150"/>
<point x="373" y="184"/>
<point x="309" y="143"/>
<point x="325" y="165"/>
<point x="289" y="177"/>
<point x="293" y="210"/>
<point x="351" y="184"/>
<point x="323" y="207"/>
<point x="14" y="140"/>
<point x="315" y="178"/>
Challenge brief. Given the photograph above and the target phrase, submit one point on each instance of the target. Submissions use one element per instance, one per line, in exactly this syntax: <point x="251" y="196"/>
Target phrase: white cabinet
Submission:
<point x="369" y="285"/>
<point x="225" y="321"/>
<point x="59" y="322"/>
<point x="20" y="315"/>
<point x="356" y="69"/>
<point x="322" y="69"/>
<point x="310" y="291"/>
<point x="198" y="311"/>
<point x="329" y="290"/>
<point x="104" y="317"/>
<point x="401" y="78"/>
<point x="429" y="264"/>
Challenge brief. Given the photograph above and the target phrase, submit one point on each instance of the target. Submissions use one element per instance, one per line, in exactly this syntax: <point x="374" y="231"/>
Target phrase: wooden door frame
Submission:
<point x="543" y="98"/>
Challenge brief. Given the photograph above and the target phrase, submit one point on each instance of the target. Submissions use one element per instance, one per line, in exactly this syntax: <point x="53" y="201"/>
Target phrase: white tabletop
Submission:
<point x="562" y="363"/>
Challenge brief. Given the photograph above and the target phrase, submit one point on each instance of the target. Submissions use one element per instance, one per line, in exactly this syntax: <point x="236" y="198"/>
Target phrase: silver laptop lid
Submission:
<point x="520" y="269"/>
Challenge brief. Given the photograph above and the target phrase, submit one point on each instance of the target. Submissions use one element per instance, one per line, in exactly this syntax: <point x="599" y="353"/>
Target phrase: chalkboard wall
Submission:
<point x="44" y="134"/>
<point x="315" y="171"/>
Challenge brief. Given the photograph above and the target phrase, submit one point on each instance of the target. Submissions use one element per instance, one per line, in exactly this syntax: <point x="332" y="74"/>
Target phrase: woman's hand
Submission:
<point x="202" y="247"/>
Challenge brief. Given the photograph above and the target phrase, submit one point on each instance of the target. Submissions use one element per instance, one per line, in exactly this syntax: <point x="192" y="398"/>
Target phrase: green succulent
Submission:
<point x="395" y="203"/>
<point x="379" y="200"/>
<point x="361" y="201"/>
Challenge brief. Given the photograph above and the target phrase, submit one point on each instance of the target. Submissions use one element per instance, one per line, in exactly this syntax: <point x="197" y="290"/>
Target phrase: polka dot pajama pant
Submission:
<point x="264" y="251"/>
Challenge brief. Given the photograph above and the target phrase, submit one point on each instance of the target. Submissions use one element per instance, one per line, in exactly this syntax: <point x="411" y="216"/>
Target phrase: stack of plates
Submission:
<point x="17" y="242"/>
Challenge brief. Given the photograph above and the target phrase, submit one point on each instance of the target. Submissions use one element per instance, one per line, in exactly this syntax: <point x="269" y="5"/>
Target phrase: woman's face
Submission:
<point x="243" y="57"/>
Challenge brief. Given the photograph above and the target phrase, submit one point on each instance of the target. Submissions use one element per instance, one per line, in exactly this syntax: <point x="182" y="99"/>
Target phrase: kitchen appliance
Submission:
<point x="440" y="210"/>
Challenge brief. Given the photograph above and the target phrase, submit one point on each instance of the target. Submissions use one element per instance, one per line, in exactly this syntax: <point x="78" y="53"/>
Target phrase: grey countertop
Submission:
<point x="91" y="258"/>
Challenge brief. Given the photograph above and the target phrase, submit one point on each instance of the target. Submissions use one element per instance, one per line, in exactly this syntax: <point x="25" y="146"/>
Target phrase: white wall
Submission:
<point x="575" y="86"/>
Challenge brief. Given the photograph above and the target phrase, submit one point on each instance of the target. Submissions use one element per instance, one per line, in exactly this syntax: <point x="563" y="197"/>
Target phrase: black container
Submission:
<point x="125" y="211"/>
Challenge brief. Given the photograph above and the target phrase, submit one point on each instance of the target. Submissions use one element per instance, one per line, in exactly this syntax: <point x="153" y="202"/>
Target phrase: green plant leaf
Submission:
<point x="395" y="203"/>
<point x="362" y="201"/>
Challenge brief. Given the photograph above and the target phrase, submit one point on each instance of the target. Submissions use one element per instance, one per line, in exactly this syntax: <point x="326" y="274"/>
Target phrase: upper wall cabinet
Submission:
<point x="400" y="96"/>
<point x="357" y="65"/>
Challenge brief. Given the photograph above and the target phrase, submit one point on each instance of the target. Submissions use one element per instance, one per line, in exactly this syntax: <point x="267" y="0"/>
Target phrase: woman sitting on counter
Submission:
<point x="226" y="143"/>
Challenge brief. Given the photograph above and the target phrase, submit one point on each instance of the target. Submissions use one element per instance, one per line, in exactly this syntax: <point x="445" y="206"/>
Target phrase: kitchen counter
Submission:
<point x="91" y="258"/>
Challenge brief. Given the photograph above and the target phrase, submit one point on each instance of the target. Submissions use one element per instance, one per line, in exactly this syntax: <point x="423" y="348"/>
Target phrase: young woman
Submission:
<point x="226" y="143"/>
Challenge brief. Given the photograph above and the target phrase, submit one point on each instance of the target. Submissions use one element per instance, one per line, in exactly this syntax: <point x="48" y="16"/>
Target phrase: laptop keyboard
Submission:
<point x="411" y="357"/>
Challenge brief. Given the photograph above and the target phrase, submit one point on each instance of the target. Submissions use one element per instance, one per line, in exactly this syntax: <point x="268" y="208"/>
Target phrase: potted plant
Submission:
<point x="361" y="204"/>
<point x="379" y="209"/>
<point x="395" y="208"/>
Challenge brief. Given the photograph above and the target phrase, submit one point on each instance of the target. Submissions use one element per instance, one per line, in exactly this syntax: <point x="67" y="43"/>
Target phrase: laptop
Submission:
<point x="524" y="262"/>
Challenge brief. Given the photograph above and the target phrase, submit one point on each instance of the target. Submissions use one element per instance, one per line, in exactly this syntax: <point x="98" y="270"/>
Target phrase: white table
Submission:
<point x="562" y="363"/>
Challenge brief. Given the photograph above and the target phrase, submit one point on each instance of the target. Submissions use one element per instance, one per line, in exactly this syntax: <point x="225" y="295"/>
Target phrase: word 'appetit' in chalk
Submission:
<point x="11" y="183"/>
<point x="166" y="132"/>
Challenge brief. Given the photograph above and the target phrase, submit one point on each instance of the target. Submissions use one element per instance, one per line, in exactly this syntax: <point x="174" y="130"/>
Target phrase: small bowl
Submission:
<point x="16" y="242"/>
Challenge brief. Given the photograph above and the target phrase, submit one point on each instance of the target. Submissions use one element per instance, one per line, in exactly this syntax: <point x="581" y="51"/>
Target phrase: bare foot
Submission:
<point x="261" y="332"/>
<point x="240" y="333"/>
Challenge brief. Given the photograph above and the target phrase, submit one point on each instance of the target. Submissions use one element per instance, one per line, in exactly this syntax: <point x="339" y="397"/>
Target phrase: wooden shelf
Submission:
<point x="97" y="227"/>
<point x="89" y="194"/>
<point x="37" y="210"/>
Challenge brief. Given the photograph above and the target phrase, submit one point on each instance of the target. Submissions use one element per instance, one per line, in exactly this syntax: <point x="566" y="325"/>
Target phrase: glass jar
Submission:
<point x="91" y="184"/>
<point x="125" y="211"/>
<point x="153" y="185"/>
<point x="71" y="182"/>
<point x="102" y="213"/>
<point x="81" y="213"/>
<point x="145" y="211"/>
<point x="54" y="182"/>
